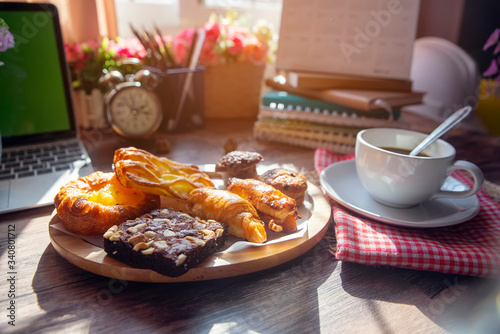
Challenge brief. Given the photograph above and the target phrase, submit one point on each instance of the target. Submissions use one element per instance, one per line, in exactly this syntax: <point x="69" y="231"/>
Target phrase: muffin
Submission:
<point x="291" y="183"/>
<point x="239" y="164"/>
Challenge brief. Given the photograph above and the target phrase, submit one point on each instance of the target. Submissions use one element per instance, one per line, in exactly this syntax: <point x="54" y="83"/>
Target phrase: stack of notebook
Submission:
<point x="293" y="113"/>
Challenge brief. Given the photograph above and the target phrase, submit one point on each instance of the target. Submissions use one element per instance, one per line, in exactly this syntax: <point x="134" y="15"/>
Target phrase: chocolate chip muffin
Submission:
<point x="291" y="183"/>
<point x="239" y="164"/>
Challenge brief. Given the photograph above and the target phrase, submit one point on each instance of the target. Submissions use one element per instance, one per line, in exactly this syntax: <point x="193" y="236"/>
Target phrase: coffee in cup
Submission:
<point x="394" y="178"/>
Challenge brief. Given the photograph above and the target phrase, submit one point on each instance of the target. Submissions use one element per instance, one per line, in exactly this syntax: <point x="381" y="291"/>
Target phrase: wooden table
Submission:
<point x="311" y="293"/>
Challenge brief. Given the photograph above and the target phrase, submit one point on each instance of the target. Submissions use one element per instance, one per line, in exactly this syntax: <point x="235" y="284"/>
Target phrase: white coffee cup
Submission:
<point x="400" y="180"/>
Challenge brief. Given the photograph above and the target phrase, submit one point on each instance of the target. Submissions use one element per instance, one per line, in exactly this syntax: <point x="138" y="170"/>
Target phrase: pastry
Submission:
<point x="279" y="209"/>
<point x="230" y="209"/>
<point x="292" y="184"/>
<point x="166" y="241"/>
<point x="139" y="169"/>
<point x="240" y="164"/>
<point x="92" y="204"/>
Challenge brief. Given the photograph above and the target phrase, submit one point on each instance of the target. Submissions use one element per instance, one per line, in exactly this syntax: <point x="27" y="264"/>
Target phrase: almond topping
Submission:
<point x="168" y="233"/>
<point x="161" y="244"/>
<point x="180" y="259"/>
<point x="141" y="246"/>
<point x="109" y="233"/>
<point x="208" y="233"/>
<point x="196" y="240"/>
<point x="136" y="228"/>
<point x="116" y="236"/>
<point x="134" y="240"/>
<point x="148" y="251"/>
<point x="149" y="234"/>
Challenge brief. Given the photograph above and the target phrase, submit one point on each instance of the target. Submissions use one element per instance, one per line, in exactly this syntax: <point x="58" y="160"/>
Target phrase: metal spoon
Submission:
<point x="449" y="123"/>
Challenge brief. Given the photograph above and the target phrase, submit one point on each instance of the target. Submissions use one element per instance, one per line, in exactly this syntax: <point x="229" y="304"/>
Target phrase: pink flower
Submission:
<point x="182" y="43"/>
<point x="128" y="48"/>
<point x="493" y="39"/>
<point x="226" y="41"/>
<point x="91" y="46"/>
<point x="492" y="69"/>
<point x="74" y="52"/>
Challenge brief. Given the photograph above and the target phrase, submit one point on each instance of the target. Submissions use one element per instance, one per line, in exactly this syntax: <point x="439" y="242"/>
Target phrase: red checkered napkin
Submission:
<point x="469" y="248"/>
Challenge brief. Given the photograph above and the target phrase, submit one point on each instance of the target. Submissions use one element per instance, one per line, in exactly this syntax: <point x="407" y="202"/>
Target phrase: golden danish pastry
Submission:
<point x="92" y="204"/>
<point x="139" y="169"/>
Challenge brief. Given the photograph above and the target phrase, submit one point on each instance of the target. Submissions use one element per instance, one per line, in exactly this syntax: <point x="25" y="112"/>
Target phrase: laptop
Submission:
<point x="41" y="150"/>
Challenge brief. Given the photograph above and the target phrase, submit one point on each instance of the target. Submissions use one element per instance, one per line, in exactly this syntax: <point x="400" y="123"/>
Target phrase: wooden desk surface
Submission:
<point x="312" y="293"/>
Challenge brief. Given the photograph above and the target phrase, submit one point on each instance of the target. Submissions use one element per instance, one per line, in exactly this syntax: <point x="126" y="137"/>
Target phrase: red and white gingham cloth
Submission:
<point x="469" y="248"/>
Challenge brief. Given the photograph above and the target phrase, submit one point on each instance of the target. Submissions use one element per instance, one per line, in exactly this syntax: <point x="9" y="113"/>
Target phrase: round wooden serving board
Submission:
<point x="94" y="259"/>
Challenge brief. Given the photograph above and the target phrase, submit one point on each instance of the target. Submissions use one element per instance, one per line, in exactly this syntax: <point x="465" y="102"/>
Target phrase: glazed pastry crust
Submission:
<point x="141" y="170"/>
<point x="92" y="204"/>
<point x="230" y="209"/>
<point x="268" y="201"/>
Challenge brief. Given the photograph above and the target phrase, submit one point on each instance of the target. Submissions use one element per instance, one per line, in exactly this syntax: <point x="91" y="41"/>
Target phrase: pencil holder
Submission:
<point x="181" y="93"/>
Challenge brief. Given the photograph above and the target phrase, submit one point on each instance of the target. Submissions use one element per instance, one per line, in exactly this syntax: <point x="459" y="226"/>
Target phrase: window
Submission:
<point x="174" y="15"/>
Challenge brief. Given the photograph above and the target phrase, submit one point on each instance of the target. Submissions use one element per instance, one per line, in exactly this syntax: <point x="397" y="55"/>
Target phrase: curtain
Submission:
<point x="83" y="20"/>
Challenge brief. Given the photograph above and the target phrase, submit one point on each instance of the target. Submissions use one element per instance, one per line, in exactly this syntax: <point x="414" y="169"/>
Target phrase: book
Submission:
<point x="343" y="119"/>
<point x="366" y="100"/>
<point x="295" y="127"/>
<point x="317" y="81"/>
<point x="334" y="141"/>
<point x="288" y="105"/>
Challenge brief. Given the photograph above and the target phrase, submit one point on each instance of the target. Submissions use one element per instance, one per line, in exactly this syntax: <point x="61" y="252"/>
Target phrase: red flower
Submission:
<point x="212" y="31"/>
<point x="235" y="43"/>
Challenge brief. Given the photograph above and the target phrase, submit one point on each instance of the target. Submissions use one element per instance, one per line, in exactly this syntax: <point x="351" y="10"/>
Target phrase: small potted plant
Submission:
<point x="88" y="61"/>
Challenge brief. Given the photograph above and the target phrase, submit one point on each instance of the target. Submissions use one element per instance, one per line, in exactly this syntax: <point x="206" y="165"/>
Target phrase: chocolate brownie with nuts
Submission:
<point x="166" y="241"/>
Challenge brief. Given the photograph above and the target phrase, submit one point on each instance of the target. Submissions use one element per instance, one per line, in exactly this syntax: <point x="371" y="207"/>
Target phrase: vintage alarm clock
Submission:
<point x="132" y="107"/>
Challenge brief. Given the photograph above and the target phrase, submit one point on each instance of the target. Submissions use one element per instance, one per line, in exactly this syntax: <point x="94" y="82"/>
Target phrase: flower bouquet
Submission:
<point x="235" y="59"/>
<point x="88" y="61"/>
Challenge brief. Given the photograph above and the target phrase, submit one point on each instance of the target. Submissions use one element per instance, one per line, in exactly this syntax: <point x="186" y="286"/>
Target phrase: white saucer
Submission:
<point x="341" y="183"/>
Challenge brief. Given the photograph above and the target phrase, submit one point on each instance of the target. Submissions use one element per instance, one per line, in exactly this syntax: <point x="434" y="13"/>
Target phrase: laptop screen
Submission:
<point x="35" y="101"/>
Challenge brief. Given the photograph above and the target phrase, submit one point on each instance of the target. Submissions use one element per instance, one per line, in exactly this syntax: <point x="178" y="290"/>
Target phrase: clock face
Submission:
<point x="133" y="110"/>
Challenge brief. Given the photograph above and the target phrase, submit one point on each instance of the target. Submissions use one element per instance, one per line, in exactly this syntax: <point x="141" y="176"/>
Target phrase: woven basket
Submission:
<point x="233" y="90"/>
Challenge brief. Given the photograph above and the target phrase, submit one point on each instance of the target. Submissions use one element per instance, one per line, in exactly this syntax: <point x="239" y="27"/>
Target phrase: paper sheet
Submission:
<point x="355" y="37"/>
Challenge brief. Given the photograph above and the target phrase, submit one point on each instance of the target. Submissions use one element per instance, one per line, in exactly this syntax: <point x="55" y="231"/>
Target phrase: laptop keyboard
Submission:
<point x="42" y="160"/>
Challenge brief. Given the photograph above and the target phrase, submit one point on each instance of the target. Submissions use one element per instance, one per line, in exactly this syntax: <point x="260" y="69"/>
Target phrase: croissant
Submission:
<point x="269" y="201"/>
<point x="139" y="169"/>
<point x="230" y="209"/>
